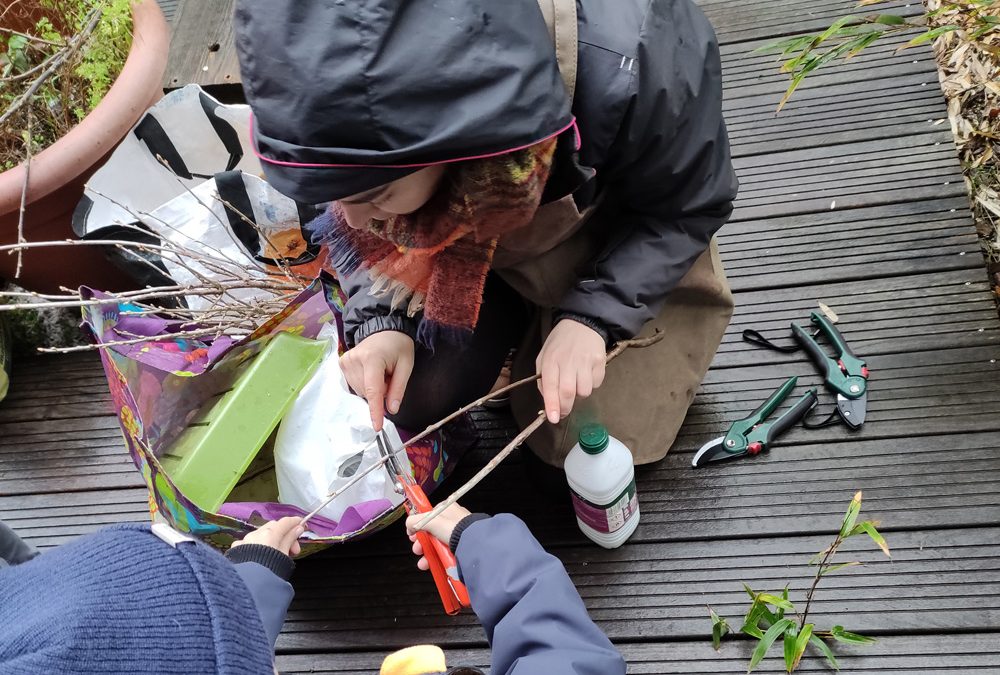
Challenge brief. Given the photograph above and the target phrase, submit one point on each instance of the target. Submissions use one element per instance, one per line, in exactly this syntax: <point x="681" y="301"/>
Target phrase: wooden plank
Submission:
<point x="937" y="580"/>
<point x="737" y="23"/>
<point x="50" y="519"/>
<point x="929" y="655"/>
<point x="877" y="316"/>
<point x="202" y="50"/>
<point x="801" y="488"/>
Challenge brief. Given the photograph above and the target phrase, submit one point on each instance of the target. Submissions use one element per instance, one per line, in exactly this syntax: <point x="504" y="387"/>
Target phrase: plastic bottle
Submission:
<point x="601" y="478"/>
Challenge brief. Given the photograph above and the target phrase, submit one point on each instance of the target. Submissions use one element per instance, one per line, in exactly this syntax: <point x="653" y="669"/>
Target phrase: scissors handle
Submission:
<point x="438" y="555"/>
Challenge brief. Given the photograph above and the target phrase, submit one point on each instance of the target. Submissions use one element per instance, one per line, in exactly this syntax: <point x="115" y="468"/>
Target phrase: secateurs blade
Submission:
<point x="442" y="563"/>
<point x="846" y="375"/>
<point x="752" y="434"/>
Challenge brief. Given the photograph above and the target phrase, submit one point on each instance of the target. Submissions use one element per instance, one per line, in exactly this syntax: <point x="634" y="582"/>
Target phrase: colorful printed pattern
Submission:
<point x="158" y="386"/>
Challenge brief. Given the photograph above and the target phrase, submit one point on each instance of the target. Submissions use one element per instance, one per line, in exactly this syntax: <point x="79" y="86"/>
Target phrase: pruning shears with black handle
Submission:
<point x="846" y="375"/>
<point x="752" y="434"/>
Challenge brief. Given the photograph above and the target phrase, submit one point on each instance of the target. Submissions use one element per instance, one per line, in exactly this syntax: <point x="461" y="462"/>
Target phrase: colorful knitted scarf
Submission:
<point x="436" y="258"/>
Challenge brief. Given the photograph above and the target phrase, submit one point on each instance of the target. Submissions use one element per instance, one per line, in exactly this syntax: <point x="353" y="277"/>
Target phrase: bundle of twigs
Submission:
<point x="234" y="297"/>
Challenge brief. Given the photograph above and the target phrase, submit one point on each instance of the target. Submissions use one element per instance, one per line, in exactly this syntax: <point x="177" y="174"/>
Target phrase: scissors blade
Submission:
<point x="710" y="452"/>
<point x="853" y="410"/>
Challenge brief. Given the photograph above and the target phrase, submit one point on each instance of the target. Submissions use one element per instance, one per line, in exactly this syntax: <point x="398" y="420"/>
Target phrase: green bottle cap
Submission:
<point x="593" y="439"/>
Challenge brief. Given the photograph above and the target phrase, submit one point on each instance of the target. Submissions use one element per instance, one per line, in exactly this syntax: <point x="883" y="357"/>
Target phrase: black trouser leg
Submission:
<point x="448" y="378"/>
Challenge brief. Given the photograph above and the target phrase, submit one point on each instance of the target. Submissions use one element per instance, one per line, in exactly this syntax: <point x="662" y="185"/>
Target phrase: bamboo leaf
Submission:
<point x="836" y="26"/>
<point x="776" y="601"/>
<point x="758" y="612"/>
<point x="719" y="628"/>
<point x="789" y="643"/>
<point x="868" y="527"/>
<point x="840" y="635"/>
<point x="785" y="46"/>
<point x="889" y="20"/>
<point x="800" y="644"/>
<point x="851" y="516"/>
<point x="929" y="35"/>
<point x="862" y="44"/>
<point x="825" y="650"/>
<point x="765" y="642"/>
<point x="833" y="568"/>
<point x="865" y="3"/>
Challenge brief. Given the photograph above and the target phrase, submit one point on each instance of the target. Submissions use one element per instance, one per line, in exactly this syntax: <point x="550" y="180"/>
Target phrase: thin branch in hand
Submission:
<point x="521" y="437"/>
<point x="614" y="353"/>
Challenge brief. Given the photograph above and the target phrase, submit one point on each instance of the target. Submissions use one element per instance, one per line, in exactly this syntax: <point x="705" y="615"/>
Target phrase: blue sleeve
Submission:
<point x="533" y="616"/>
<point x="271" y="594"/>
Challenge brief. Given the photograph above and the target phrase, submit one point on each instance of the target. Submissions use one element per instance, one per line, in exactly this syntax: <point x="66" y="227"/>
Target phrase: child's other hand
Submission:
<point x="282" y="535"/>
<point x="440" y="528"/>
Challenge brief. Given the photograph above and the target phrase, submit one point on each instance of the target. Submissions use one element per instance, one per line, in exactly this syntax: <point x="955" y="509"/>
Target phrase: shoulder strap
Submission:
<point x="560" y="17"/>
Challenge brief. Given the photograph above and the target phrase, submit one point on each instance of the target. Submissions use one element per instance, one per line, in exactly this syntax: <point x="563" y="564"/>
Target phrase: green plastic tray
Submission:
<point x="208" y="459"/>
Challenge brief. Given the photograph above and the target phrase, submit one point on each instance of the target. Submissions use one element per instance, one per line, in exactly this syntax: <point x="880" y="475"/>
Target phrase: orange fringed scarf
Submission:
<point x="436" y="259"/>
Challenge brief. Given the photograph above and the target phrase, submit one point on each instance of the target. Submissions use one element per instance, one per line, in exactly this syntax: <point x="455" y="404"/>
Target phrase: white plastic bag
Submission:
<point x="325" y="439"/>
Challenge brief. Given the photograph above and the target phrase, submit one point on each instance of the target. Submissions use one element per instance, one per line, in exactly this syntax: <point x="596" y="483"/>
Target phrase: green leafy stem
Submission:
<point x="766" y="620"/>
<point x="850" y="35"/>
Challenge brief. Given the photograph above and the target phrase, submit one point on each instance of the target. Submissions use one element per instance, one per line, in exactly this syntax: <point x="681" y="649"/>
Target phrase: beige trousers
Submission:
<point x="647" y="392"/>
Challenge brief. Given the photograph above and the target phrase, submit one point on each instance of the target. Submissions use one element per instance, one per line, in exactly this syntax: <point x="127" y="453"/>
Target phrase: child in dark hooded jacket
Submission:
<point x="138" y="599"/>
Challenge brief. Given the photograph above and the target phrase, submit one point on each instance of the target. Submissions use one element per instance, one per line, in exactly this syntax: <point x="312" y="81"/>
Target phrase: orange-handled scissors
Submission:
<point x="443" y="566"/>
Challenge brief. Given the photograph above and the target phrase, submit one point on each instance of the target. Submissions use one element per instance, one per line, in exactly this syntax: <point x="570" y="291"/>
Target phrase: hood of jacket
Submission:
<point x="348" y="95"/>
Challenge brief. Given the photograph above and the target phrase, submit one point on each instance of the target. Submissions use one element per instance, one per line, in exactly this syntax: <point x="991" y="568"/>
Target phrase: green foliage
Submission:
<point x="105" y="53"/>
<point x="766" y="619"/>
<point x="719" y="629"/>
<point x="81" y="79"/>
<point x="850" y="35"/>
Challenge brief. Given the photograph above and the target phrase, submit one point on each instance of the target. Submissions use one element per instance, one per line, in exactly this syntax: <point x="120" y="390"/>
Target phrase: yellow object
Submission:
<point x="417" y="660"/>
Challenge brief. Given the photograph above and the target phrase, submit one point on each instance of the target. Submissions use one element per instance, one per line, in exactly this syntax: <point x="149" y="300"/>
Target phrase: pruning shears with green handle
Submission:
<point x="752" y="434"/>
<point x="846" y="375"/>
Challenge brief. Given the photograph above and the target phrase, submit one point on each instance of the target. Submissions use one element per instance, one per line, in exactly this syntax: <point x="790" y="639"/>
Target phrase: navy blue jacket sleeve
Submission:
<point x="533" y="616"/>
<point x="271" y="594"/>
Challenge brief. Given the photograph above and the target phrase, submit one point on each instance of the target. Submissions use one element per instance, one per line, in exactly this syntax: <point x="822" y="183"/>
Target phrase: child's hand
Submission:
<point x="439" y="528"/>
<point x="282" y="535"/>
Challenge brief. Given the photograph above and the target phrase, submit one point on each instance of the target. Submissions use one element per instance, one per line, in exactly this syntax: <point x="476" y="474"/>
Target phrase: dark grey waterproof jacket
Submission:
<point x="349" y="94"/>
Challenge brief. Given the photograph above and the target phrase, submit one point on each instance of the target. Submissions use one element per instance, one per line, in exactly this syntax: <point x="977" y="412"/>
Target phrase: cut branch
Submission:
<point x="521" y="437"/>
<point x="530" y="429"/>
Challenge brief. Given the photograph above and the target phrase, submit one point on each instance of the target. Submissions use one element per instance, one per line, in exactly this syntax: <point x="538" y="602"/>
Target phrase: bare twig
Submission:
<point x="117" y="343"/>
<point x="619" y="348"/>
<point x="24" y="199"/>
<point x="485" y="471"/>
<point x="354" y="481"/>
<point x="33" y="38"/>
<point x="521" y="437"/>
<point x="78" y="40"/>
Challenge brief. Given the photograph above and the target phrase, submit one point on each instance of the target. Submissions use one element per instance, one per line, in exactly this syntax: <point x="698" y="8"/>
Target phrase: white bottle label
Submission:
<point x="611" y="517"/>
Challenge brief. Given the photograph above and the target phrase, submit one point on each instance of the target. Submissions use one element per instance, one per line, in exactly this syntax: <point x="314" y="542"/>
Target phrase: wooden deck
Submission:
<point x="852" y="196"/>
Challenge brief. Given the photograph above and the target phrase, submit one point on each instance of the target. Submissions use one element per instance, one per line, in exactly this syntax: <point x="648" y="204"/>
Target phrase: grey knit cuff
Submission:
<point x="271" y="558"/>
<point x="464" y="523"/>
